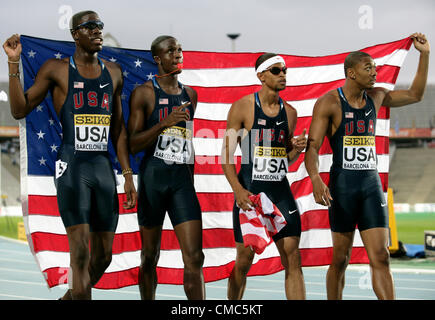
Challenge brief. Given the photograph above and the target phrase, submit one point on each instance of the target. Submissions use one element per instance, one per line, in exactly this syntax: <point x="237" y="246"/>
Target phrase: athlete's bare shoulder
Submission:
<point x="112" y="65"/>
<point x="328" y="103"/>
<point x="114" y="70"/>
<point x="291" y="111"/>
<point x="143" y="95"/>
<point x="145" y="88"/>
<point x="241" y="112"/>
<point x="377" y="94"/>
<point x="192" y="95"/>
<point x="54" y="68"/>
<point x="244" y="103"/>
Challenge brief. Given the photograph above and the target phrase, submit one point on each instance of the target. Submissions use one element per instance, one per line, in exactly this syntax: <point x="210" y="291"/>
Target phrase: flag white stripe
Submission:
<point x="128" y="223"/>
<point x="320" y="238"/>
<point x="246" y="76"/>
<point x="43" y="185"/>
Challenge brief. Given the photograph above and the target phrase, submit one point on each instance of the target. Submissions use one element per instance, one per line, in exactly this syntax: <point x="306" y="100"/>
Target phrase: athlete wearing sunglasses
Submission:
<point x="263" y="125"/>
<point x="90" y="25"/>
<point x="82" y="84"/>
<point x="276" y="70"/>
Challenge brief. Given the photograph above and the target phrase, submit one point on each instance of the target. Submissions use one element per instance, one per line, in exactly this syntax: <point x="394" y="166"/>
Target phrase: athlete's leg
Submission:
<point x="376" y="243"/>
<point x="291" y="261"/>
<point x="342" y="249"/>
<point x="189" y="235"/>
<point x="101" y="256"/>
<point x="237" y="279"/>
<point x="78" y="239"/>
<point x="150" y="253"/>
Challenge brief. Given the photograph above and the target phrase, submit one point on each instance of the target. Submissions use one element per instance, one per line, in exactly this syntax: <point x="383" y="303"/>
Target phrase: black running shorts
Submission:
<point x="164" y="189"/>
<point x="86" y="190"/>
<point x="358" y="200"/>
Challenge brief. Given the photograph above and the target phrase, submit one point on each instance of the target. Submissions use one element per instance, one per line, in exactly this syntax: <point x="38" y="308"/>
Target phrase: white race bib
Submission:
<point x="174" y="144"/>
<point x="91" y="132"/>
<point x="270" y="163"/>
<point x="359" y="152"/>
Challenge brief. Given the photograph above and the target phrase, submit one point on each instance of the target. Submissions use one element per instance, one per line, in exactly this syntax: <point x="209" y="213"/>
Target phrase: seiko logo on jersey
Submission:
<point x="359" y="152"/>
<point x="174" y="145"/>
<point x="270" y="163"/>
<point x="91" y="132"/>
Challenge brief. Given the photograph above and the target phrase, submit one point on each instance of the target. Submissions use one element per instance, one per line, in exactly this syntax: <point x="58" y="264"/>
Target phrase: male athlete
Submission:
<point x="85" y="91"/>
<point x="263" y="124"/>
<point x="161" y="114"/>
<point x="355" y="197"/>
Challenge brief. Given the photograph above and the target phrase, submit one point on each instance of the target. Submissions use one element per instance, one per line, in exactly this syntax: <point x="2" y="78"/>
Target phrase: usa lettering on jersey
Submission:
<point x="270" y="163"/>
<point x="359" y="152"/>
<point x="92" y="99"/>
<point x="91" y="132"/>
<point x="174" y="145"/>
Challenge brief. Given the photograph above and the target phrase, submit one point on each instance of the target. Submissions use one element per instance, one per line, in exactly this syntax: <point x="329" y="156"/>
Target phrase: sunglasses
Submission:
<point x="91" y="25"/>
<point x="276" y="71"/>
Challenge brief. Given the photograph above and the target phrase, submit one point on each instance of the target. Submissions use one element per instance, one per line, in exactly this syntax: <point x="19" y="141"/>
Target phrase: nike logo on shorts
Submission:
<point x="291" y="212"/>
<point x="103" y="85"/>
<point x="278" y="123"/>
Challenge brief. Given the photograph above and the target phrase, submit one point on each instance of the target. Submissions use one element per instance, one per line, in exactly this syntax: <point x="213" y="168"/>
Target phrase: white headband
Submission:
<point x="266" y="64"/>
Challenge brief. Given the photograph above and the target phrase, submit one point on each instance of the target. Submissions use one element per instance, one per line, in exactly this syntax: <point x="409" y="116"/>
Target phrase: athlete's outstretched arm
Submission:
<point x="415" y="93"/>
<point x="23" y="103"/>
<point x="141" y="107"/>
<point x="118" y="134"/>
<point x="318" y="130"/>
<point x="231" y="139"/>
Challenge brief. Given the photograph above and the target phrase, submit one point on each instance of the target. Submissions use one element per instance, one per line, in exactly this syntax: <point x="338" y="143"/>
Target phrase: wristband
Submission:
<point x="16" y="75"/>
<point x="16" y="62"/>
<point x="127" y="171"/>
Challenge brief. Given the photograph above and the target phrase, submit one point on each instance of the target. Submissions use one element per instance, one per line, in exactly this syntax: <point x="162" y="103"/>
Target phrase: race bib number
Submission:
<point x="91" y="132"/>
<point x="174" y="145"/>
<point x="359" y="153"/>
<point x="270" y="164"/>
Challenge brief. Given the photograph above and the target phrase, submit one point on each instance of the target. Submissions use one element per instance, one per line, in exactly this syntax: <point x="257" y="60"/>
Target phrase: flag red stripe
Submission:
<point x="47" y="205"/>
<point x="131" y="241"/>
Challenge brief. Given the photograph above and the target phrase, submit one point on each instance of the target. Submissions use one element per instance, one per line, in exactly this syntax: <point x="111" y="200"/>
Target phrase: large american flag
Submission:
<point x="220" y="79"/>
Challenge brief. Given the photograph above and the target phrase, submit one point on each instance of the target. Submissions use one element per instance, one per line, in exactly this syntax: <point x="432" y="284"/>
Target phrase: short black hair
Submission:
<point x="353" y="58"/>
<point x="75" y="19"/>
<point x="263" y="58"/>
<point x="157" y="41"/>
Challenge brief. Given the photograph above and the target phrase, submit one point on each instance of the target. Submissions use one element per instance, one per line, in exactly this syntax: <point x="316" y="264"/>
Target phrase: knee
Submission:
<point x="103" y="259"/>
<point x="193" y="259"/>
<point x="149" y="258"/>
<point x="291" y="260"/>
<point x="341" y="260"/>
<point x="380" y="258"/>
<point x="244" y="262"/>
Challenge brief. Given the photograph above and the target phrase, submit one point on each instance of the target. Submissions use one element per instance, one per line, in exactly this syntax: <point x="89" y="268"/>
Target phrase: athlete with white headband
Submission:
<point x="263" y="124"/>
<point x="269" y="62"/>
